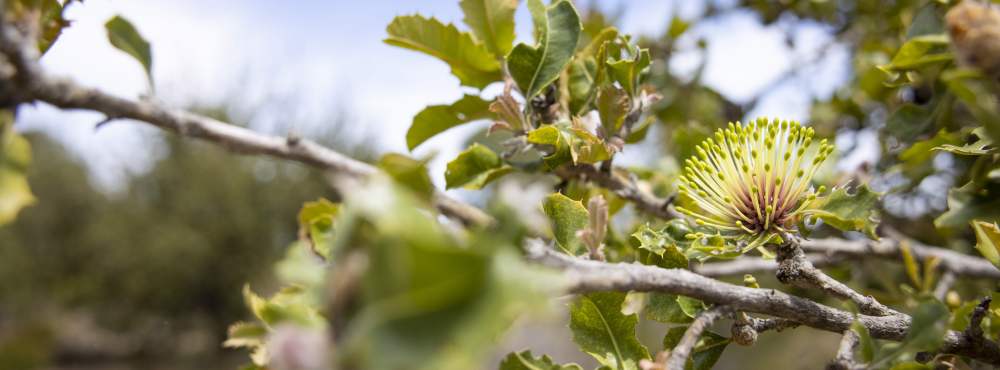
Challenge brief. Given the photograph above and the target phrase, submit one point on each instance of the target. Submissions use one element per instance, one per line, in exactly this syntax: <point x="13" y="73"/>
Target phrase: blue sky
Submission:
<point x="301" y="62"/>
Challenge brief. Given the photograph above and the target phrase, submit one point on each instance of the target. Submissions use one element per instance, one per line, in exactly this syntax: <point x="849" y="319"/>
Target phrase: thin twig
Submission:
<point x="679" y="355"/>
<point x="845" y="353"/>
<point x="944" y="285"/>
<point x="623" y="187"/>
<point x="751" y="264"/>
<point x="962" y="265"/>
<point x="795" y="269"/>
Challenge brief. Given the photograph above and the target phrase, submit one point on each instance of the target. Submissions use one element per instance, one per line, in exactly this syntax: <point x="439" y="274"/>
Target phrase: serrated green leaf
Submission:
<point x="492" y="21"/>
<point x="568" y="144"/>
<point x="602" y="331"/>
<point x="15" y="157"/>
<point x="662" y="248"/>
<point x="988" y="240"/>
<point x="535" y="67"/>
<point x="628" y="71"/>
<point x="436" y="119"/>
<point x="474" y="168"/>
<point x="526" y="361"/>
<point x="408" y="172"/>
<point x="123" y="35"/>
<point x="470" y="61"/>
<point x="568" y="216"/>
<point x="920" y="154"/>
<point x="586" y="74"/>
<point x="690" y="306"/>
<point x="289" y="305"/>
<point x="982" y="146"/>
<point x="849" y="212"/>
<point x="613" y="105"/>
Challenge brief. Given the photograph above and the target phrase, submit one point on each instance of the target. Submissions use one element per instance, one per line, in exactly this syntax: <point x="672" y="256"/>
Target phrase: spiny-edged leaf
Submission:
<point x="915" y="161"/>
<point x="628" y="71"/>
<point x="568" y="143"/>
<point x="613" y="104"/>
<point x="690" y="306"/>
<point x="436" y="119"/>
<point x="849" y="212"/>
<point x="470" y="61"/>
<point x="586" y="71"/>
<point x="988" y="240"/>
<point x="665" y="308"/>
<point x="865" y="343"/>
<point x="708" y="351"/>
<point x="982" y="146"/>
<point x="289" y="305"/>
<point x="15" y="157"/>
<point x="970" y="202"/>
<point x="568" y="216"/>
<point x="123" y="35"/>
<point x="558" y="29"/>
<point x="474" y="168"/>
<point x="662" y="248"/>
<point x="408" y="172"/>
<point x="526" y="361"/>
<point x="492" y="21"/>
<point x="930" y="322"/>
<point x="316" y="221"/>
<point x="918" y="52"/>
<point x="245" y="334"/>
<point x="602" y="331"/>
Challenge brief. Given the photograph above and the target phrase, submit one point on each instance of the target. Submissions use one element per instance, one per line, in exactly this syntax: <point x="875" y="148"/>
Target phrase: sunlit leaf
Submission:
<point x="850" y="212"/>
<point x="492" y="21"/>
<point x="316" y="220"/>
<point x="15" y="157"/>
<point x="470" y="61"/>
<point x="408" y="172"/>
<point x="982" y="146"/>
<point x="970" y="202"/>
<point x="558" y="28"/>
<point x="602" y="331"/>
<point x="988" y="240"/>
<point x="918" y="52"/>
<point x="436" y="119"/>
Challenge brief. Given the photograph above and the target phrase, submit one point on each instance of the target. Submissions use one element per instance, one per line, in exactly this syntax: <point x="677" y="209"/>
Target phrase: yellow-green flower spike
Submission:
<point x="760" y="194"/>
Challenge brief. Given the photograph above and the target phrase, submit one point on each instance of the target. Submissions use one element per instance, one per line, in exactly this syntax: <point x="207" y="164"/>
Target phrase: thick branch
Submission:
<point x="679" y="355"/>
<point x="845" y="353"/>
<point x="795" y="269"/>
<point x="590" y="276"/>
<point x="34" y="85"/>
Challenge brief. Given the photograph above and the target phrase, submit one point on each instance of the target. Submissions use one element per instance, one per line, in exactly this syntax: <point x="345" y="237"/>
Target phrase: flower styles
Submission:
<point x="754" y="181"/>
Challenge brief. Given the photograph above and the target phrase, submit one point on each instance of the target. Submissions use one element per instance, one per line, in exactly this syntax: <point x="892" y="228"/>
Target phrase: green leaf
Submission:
<point x="988" y="240"/>
<point x="586" y="74"/>
<point x="474" y="168"/>
<point x="918" y="52"/>
<point x="665" y="308"/>
<point x="613" y="105"/>
<point x="525" y="361"/>
<point x="470" y="61"/>
<point x="15" y="157"/>
<point x="910" y="121"/>
<point x="408" y="172"/>
<point x="492" y="21"/>
<point x="436" y="119"/>
<point x="568" y="144"/>
<point x="920" y="154"/>
<point x="568" y="216"/>
<point x="535" y="67"/>
<point x="982" y="146"/>
<point x="677" y="27"/>
<point x="970" y="202"/>
<point x="289" y="305"/>
<point x="927" y="330"/>
<point x="849" y="212"/>
<point x="662" y="248"/>
<point x="708" y="351"/>
<point x="316" y="221"/>
<point x="245" y="334"/>
<point x="123" y="35"/>
<point x="628" y="70"/>
<point x="601" y="330"/>
<point x="865" y="342"/>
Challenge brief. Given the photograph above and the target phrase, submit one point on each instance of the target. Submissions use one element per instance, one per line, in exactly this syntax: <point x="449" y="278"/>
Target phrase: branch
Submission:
<point x="679" y="355"/>
<point x="623" y="187"/>
<point x="795" y="269"/>
<point x="34" y="85"/>
<point x="584" y="276"/>
<point x="845" y="353"/>
<point x="958" y="263"/>
<point x="751" y="264"/>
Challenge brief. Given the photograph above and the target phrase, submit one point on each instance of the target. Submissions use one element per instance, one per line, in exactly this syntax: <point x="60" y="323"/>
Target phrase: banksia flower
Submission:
<point x="753" y="182"/>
